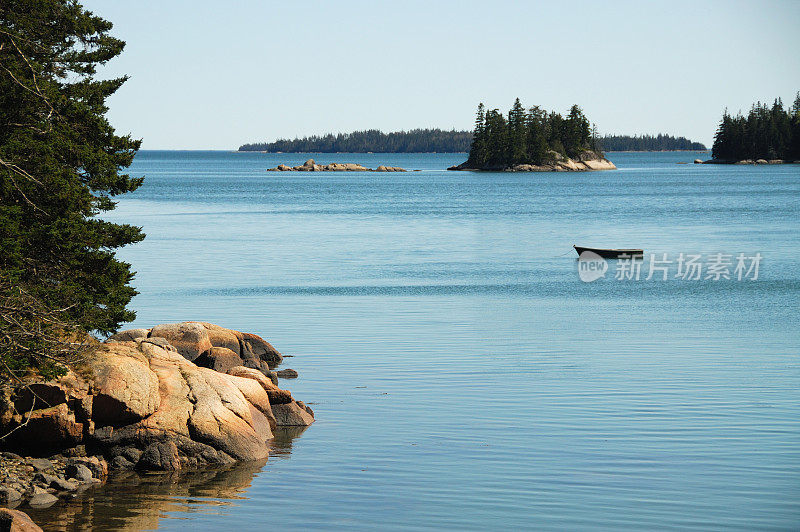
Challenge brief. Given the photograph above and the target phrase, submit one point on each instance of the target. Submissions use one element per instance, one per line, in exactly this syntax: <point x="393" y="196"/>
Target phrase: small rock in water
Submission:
<point x="79" y="472"/>
<point x="287" y="374"/>
<point x="63" y="485"/>
<point x="42" y="500"/>
<point x="9" y="495"/>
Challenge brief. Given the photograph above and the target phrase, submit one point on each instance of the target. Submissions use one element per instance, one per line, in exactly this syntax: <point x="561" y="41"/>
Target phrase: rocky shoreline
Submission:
<point x="745" y="161"/>
<point x="585" y="162"/>
<point x="311" y="166"/>
<point x="178" y="396"/>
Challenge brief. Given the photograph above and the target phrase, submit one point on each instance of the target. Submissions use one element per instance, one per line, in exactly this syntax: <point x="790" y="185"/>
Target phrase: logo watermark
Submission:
<point x="663" y="267"/>
<point x="591" y="266"/>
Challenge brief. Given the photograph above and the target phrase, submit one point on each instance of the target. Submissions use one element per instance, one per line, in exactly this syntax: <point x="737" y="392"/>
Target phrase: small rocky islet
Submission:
<point x="178" y="396"/>
<point x="311" y="166"/>
<point x="585" y="161"/>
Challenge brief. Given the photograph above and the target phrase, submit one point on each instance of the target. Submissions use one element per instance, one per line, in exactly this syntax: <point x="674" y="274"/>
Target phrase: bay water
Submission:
<point x="463" y="376"/>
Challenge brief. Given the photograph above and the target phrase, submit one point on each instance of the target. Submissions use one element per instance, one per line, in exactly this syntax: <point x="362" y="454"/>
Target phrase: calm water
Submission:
<point x="462" y="375"/>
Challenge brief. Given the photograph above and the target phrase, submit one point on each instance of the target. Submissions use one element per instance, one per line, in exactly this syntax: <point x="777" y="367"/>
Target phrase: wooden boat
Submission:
<point x="611" y="253"/>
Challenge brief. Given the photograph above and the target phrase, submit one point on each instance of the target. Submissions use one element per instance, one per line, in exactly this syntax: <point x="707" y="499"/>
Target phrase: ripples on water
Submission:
<point x="462" y="376"/>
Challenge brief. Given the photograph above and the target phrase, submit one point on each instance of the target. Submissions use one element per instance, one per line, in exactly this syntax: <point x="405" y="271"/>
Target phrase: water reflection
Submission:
<point x="133" y="501"/>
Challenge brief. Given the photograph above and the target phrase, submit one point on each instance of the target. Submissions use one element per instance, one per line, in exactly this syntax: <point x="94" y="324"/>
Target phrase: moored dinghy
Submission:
<point x="611" y="253"/>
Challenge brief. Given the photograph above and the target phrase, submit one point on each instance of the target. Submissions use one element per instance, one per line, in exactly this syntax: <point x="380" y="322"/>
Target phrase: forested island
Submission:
<point x="766" y="135"/>
<point x="444" y="141"/>
<point x="658" y="142"/>
<point x="533" y="140"/>
<point x="372" y="140"/>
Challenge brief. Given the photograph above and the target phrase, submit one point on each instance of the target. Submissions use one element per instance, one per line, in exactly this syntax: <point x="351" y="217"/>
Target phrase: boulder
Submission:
<point x="129" y="335"/>
<point x="16" y="521"/>
<point x="42" y="500"/>
<point x="63" y="485"/>
<point x="96" y="464"/>
<point x="121" y="463"/>
<point x="275" y="394"/>
<point x="9" y="495"/>
<point x="127" y="390"/>
<point x="222" y="337"/>
<point x="40" y="464"/>
<point x="255" y="348"/>
<point x="144" y="405"/>
<point x="79" y="472"/>
<point x="698" y="161"/>
<point x="292" y="414"/>
<point x="761" y="161"/>
<point x="287" y="374"/>
<point x="189" y="338"/>
<point x="599" y="164"/>
<point x="160" y="456"/>
<point x="219" y="359"/>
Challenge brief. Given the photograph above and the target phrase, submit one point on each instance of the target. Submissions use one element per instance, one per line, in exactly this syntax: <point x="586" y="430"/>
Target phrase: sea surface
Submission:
<point x="462" y="374"/>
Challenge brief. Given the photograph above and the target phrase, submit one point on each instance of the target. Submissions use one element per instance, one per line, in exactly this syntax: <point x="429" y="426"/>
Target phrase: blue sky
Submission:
<point x="213" y="75"/>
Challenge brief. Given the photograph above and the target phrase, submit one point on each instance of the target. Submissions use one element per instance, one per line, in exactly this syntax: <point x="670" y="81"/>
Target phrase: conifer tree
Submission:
<point x="60" y="165"/>
<point x="517" y="134"/>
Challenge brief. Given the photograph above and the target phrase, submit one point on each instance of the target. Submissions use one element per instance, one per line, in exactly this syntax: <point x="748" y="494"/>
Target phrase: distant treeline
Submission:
<point x="528" y="136"/>
<point x="658" y="142"/>
<point x="765" y="133"/>
<point x="372" y="140"/>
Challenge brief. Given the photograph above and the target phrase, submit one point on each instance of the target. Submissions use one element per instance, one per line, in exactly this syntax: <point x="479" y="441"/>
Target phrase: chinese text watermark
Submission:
<point x="663" y="266"/>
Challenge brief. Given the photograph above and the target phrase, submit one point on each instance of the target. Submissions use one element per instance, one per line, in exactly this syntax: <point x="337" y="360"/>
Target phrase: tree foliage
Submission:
<point x="372" y="140"/>
<point x="658" y="142"/>
<point x="767" y="132"/>
<point x="531" y="136"/>
<point x="60" y="165"/>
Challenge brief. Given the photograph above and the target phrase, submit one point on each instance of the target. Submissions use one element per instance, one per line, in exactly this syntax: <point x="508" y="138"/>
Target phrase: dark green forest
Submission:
<point x="372" y="140"/>
<point x="658" y="142"/>
<point x="528" y="136"/>
<point x="765" y="133"/>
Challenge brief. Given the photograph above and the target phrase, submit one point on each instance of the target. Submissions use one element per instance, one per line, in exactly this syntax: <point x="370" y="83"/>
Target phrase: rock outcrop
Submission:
<point x="311" y="166"/>
<point x="16" y="521"/>
<point x="585" y="161"/>
<point x="143" y="401"/>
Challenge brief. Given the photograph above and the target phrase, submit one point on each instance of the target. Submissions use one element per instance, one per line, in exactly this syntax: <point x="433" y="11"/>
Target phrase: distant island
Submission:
<point x="533" y="140"/>
<point x="444" y="141"/>
<point x="372" y="140"/>
<point x="766" y="135"/>
<point x="658" y="142"/>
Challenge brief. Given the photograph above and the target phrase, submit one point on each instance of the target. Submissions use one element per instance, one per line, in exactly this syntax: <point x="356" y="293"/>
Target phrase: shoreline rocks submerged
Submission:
<point x="311" y="166"/>
<point x="174" y="397"/>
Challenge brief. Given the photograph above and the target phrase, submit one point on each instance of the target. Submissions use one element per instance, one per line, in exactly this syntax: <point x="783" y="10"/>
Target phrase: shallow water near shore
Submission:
<point x="461" y="373"/>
